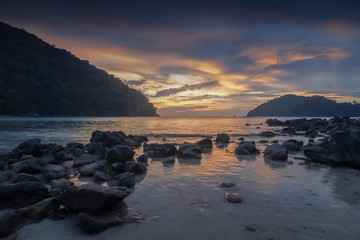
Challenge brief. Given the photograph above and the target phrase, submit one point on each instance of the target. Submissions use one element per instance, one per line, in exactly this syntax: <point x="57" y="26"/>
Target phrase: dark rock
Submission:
<point x="23" y="177"/>
<point x="120" y="153"/>
<point x="312" y="134"/>
<point x="101" y="176"/>
<point x="246" y="148"/>
<point x="222" y="138"/>
<point x="138" y="139"/>
<point x="205" y="143"/>
<point x="293" y="145"/>
<point x="288" y="130"/>
<point x="84" y="160"/>
<point x="127" y="179"/>
<point x="97" y="222"/>
<point x="22" y="194"/>
<point x="51" y="172"/>
<point x="63" y="156"/>
<point x="143" y="158"/>
<point x="90" y="169"/>
<point x="160" y="150"/>
<point x="233" y="197"/>
<point x="62" y="184"/>
<point x="92" y="197"/>
<point x="263" y="141"/>
<point x="227" y="184"/>
<point x="168" y="160"/>
<point x="118" y="167"/>
<point x="276" y="152"/>
<point x="75" y="145"/>
<point x="12" y="220"/>
<point x="136" y="167"/>
<point x="29" y="147"/>
<point x="275" y="141"/>
<point x="30" y="166"/>
<point x="2" y="165"/>
<point x="76" y="152"/>
<point x="189" y="150"/>
<point x="267" y="134"/>
<point x="109" y="139"/>
<point x="96" y="148"/>
<point x="274" y="122"/>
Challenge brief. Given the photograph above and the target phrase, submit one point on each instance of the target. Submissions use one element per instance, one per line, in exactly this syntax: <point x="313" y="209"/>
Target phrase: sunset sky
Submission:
<point x="207" y="58"/>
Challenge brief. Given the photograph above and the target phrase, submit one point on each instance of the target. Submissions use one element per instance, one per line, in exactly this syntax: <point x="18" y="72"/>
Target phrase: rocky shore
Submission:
<point x="40" y="181"/>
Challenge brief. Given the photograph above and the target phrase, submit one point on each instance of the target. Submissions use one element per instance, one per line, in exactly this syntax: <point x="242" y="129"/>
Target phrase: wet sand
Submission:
<point x="291" y="200"/>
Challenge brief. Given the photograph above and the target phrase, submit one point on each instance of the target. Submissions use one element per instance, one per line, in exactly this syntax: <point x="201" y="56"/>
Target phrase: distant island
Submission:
<point x="300" y="106"/>
<point x="41" y="80"/>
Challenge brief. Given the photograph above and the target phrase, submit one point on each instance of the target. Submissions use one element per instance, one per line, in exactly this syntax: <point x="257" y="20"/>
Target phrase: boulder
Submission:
<point x="205" y="144"/>
<point x="52" y="171"/>
<point x="96" y="148"/>
<point x="120" y="153"/>
<point x="189" y="150"/>
<point x="97" y="222"/>
<point x="276" y="152"/>
<point x="274" y="122"/>
<point x="143" y="158"/>
<point x="222" y="138"/>
<point x="136" y="167"/>
<point x="267" y="134"/>
<point x="23" y="177"/>
<point x="30" y="166"/>
<point x="62" y="184"/>
<point x="168" y="160"/>
<point x="101" y="176"/>
<point x="246" y="148"/>
<point x="84" y="160"/>
<point x="293" y="145"/>
<point x="22" y="194"/>
<point x="92" y="197"/>
<point x="233" y="197"/>
<point x="12" y="220"/>
<point x="127" y="179"/>
<point x="160" y="150"/>
<point x="108" y="139"/>
<point x="118" y="167"/>
<point x="30" y="147"/>
<point x="90" y="169"/>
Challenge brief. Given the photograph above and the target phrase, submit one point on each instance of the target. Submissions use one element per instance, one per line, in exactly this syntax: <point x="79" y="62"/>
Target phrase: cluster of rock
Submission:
<point x="340" y="145"/>
<point x="35" y="181"/>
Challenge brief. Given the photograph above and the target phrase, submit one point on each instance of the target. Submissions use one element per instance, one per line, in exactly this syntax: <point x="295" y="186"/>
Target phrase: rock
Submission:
<point x="120" y="153"/>
<point x="101" y="176"/>
<point x="222" y="138"/>
<point x="97" y="222"/>
<point x="136" y="167"/>
<point x="168" y="160"/>
<point x="132" y="143"/>
<point x="160" y="150"/>
<point x="92" y="197"/>
<point x="22" y="194"/>
<point x="267" y="134"/>
<point x="263" y="141"/>
<point x="62" y="184"/>
<point x="274" y="122"/>
<point x="118" y="167"/>
<point x="275" y="141"/>
<point x="12" y="220"/>
<point x="109" y="139"/>
<point x="84" y="160"/>
<point x="23" y="177"/>
<point x="293" y="145"/>
<point x="90" y="169"/>
<point x="241" y="139"/>
<point x="246" y="148"/>
<point x="30" y="166"/>
<point x="127" y="179"/>
<point x="288" y="130"/>
<point x="96" y="148"/>
<point x="189" y="150"/>
<point x="29" y="147"/>
<point x="312" y="134"/>
<point x="205" y="144"/>
<point x="227" y="184"/>
<point x="276" y="152"/>
<point x="138" y="139"/>
<point x="233" y="197"/>
<point x="52" y="171"/>
<point x="143" y="158"/>
<point x="2" y="165"/>
<point x="250" y="228"/>
<point x="75" y="145"/>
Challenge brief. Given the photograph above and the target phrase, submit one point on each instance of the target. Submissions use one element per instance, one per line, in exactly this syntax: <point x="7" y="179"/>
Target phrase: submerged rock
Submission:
<point x="92" y="197"/>
<point x="227" y="184"/>
<point x="276" y="152"/>
<point x="189" y="150"/>
<point x="246" y="148"/>
<point x="267" y="134"/>
<point x="293" y="145"/>
<point x="160" y="150"/>
<point x="168" y="160"/>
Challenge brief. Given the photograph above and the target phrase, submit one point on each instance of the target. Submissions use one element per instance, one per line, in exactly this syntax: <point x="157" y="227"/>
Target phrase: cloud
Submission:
<point x="172" y="91"/>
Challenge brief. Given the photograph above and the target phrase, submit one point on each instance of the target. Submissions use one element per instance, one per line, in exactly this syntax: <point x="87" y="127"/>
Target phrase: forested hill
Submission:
<point x="37" y="78"/>
<point x="299" y="106"/>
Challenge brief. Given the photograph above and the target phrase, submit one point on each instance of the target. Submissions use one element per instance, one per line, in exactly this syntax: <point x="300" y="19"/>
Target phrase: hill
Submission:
<point x="300" y="106"/>
<point x="37" y="78"/>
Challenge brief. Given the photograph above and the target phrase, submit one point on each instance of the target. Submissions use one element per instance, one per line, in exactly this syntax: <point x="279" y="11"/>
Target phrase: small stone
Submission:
<point x="227" y="184"/>
<point x="250" y="228"/>
<point x="233" y="197"/>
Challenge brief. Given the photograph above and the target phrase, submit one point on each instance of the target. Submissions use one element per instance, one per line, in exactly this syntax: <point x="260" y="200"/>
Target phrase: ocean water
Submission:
<point x="281" y="200"/>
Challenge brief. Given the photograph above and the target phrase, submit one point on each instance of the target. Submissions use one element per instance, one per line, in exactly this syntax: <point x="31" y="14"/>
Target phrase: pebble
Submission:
<point x="233" y="197"/>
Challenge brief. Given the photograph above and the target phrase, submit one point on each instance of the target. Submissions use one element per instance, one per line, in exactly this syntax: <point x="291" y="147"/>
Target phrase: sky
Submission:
<point x="207" y="58"/>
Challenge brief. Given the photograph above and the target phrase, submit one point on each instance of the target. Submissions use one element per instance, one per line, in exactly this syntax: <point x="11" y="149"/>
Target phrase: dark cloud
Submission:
<point x="172" y="91"/>
<point x="135" y="82"/>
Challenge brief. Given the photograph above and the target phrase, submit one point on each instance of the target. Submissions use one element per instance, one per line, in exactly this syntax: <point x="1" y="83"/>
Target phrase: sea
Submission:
<point x="294" y="199"/>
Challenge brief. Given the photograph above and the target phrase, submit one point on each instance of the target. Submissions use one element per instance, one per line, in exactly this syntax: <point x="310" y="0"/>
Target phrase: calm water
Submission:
<point x="183" y="200"/>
